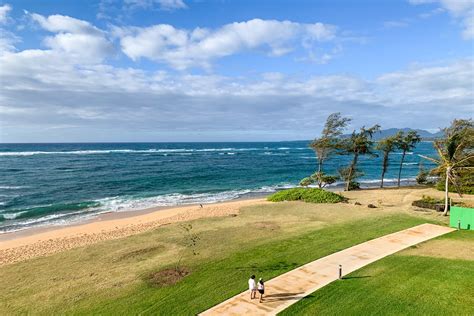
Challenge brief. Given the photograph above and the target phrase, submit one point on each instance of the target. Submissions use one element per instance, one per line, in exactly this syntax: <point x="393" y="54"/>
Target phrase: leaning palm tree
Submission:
<point x="406" y="143"/>
<point x="386" y="146"/>
<point x="455" y="153"/>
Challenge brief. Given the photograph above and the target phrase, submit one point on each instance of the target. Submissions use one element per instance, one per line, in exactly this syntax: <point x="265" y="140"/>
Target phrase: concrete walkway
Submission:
<point x="292" y="286"/>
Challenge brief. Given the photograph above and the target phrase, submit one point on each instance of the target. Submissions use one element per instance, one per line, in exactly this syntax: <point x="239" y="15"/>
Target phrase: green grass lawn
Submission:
<point x="111" y="277"/>
<point x="412" y="282"/>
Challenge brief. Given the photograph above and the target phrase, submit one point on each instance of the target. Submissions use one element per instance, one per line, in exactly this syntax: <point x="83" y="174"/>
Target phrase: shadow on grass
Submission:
<point x="282" y="297"/>
<point x="357" y="277"/>
<point x="279" y="266"/>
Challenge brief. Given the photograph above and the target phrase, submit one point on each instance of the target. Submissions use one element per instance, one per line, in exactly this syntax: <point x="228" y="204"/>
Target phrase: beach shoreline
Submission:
<point x="40" y="241"/>
<point x="113" y="215"/>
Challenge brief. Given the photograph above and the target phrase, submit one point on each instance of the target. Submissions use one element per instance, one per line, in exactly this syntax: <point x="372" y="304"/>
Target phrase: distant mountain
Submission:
<point x="425" y="135"/>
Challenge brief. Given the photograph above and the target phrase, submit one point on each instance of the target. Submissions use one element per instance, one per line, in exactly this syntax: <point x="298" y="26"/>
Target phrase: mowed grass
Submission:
<point x="416" y="281"/>
<point x="112" y="277"/>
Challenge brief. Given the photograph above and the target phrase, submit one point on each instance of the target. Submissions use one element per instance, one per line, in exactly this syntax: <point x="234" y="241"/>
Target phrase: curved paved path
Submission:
<point x="290" y="287"/>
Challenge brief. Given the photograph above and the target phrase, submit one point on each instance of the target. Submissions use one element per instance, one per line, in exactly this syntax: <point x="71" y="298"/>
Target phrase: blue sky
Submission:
<point x="182" y="70"/>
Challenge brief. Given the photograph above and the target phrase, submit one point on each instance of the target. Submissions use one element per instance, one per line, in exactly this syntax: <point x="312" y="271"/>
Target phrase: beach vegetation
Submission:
<point x="190" y="242"/>
<point x="386" y="146"/>
<point x="306" y="181"/>
<point x="357" y="144"/>
<point x="311" y="195"/>
<point x="455" y="155"/>
<point x="344" y="175"/>
<point x="422" y="177"/>
<point x="406" y="142"/>
<point x="320" y="178"/>
<point x="327" y="144"/>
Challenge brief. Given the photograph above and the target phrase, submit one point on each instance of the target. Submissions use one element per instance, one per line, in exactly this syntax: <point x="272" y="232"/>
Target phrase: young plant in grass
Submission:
<point x="190" y="241"/>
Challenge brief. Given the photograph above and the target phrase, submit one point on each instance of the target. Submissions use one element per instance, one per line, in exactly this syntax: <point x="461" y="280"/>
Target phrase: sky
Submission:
<point x="195" y="70"/>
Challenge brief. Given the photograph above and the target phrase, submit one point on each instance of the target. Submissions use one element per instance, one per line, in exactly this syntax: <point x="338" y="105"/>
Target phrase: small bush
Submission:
<point x="308" y="195"/>
<point x="422" y="177"/>
<point x="431" y="200"/>
<point x="433" y="203"/>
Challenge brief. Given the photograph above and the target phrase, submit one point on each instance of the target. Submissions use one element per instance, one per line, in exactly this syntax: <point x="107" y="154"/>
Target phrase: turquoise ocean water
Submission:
<point x="55" y="184"/>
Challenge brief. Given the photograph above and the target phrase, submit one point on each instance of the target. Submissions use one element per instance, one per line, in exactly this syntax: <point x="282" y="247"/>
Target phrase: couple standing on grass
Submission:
<point x="253" y="287"/>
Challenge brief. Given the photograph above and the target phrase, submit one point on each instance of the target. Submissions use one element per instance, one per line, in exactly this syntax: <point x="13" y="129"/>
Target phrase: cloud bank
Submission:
<point x="71" y="90"/>
<point x="198" y="47"/>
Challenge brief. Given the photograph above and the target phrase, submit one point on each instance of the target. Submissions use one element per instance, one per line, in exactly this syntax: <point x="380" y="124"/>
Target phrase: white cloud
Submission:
<point x="182" y="48"/>
<point x="42" y="89"/>
<point x="172" y="4"/>
<point x="4" y="11"/>
<point x="78" y="39"/>
<point x="163" y="4"/>
<point x="432" y="85"/>
<point x="7" y="38"/>
<point x="462" y="10"/>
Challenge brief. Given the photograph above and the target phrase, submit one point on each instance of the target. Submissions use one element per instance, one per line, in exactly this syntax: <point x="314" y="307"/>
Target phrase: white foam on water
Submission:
<point x="11" y="215"/>
<point x="142" y="151"/>
<point x="6" y="187"/>
<point x="120" y="204"/>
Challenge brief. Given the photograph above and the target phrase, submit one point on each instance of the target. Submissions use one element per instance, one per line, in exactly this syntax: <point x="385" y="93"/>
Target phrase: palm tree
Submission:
<point x="386" y="146"/>
<point x="358" y="144"/>
<point x="406" y="143"/>
<point x="455" y="152"/>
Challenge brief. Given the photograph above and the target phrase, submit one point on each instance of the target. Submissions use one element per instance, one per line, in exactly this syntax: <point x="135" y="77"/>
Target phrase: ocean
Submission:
<point x="57" y="184"/>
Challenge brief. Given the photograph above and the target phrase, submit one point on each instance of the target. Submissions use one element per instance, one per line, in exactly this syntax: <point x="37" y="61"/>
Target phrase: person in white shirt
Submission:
<point x="252" y="287"/>
<point x="261" y="289"/>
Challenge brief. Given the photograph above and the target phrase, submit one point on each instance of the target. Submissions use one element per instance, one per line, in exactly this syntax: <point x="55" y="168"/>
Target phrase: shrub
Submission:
<point x="433" y="203"/>
<point x="422" y="177"/>
<point x="306" y="181"/>
<point x="466" y="181"/>
<point x="311" y="195"/>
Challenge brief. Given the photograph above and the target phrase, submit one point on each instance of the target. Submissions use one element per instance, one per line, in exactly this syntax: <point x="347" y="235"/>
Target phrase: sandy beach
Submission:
<point x="22" y="245"/>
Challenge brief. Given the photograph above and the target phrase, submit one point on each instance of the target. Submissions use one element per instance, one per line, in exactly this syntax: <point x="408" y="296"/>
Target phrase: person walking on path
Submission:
<point x="261" y="289"/>
<point x="252" y="287"/>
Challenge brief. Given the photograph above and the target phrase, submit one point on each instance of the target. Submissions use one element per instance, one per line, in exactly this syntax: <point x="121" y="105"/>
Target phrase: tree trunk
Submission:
<point x="384" y="167"/>
<point x="446" y="192"/>
<point x="401" y="165"/>
<point x="351" y="170"/>
<point x="320" y="169"/>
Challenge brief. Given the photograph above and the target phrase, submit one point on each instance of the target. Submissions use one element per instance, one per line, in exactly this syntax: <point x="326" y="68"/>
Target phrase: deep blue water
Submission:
<point x="44" y="184"/>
